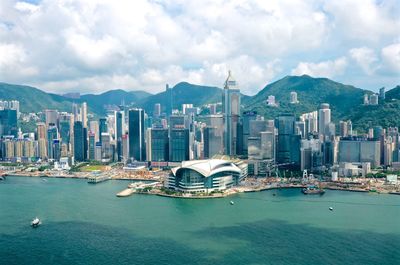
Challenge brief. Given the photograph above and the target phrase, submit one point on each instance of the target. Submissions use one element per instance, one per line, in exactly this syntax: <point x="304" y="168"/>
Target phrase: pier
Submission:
<point x="98" y="179"/>
<point x="126" y="192"/>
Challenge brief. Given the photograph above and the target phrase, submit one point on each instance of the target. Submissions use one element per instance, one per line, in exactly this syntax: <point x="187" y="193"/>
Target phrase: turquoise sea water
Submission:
<point x="88" y="224"/>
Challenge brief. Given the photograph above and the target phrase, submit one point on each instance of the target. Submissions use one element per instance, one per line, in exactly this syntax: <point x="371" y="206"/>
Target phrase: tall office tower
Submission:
<point x="85" y="143"/>
<point x="56" y="150"/>
<point x="212" y="142"/>
<point x="102" y="127"/>
<point x="247" y="117"/>
<point x="84" y="114"/>
<point x="125" y="147"/>
<point x="119" y="130"/>
<point x="231" y="112"/>
<point x="293" y="98"/>
<point x="324" y="118"/>
<point x="213" y="109"/>
<point x="94" y="128"/>
<point x="288" y="146"/>
<point x="106" y="151"/>
<point x="157" y="110"/>
<point x="52" y="134"/>
<point x="41" y="130"/>
<point x="75" y="112"/>
<point x="170" y="102"/>
<point x="92" y="145"/>
<point x="137" y="148"/>
<point x="51" y="117"/>
<point x="65" y="133"/>
<point x="159" y="147"/>
<point x="382" y="93"/>
<point x="8" y="122"/>
<point x="179" y="145"/>
<point x="79" y="146"/>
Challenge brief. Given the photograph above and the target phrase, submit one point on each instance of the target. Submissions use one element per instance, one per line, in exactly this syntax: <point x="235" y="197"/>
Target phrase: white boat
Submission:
<point x="35" y="222"/>
<point x="231" y="202"/>
<point x="330" y="208"/>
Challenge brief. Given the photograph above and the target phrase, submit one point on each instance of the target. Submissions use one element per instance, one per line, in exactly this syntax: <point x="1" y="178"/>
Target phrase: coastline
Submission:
<point x="233" y="191"/>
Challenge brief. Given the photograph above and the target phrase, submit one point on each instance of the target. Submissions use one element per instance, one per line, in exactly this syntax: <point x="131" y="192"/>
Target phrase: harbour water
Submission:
<point x="88" y="224"/>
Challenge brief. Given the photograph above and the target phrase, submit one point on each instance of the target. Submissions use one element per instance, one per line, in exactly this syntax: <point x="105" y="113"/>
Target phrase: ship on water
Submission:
<point x="312" y="190"/>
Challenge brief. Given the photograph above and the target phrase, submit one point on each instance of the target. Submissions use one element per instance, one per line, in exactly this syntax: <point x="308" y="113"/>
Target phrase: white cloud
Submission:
<point x="391" y="58"/>
<point x="322" y="69"/>
<point x="365" y="58"/>
<point x="80" y="45"/>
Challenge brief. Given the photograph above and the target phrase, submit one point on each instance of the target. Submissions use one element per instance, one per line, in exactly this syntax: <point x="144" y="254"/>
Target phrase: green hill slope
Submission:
<point x="311" y="92"/>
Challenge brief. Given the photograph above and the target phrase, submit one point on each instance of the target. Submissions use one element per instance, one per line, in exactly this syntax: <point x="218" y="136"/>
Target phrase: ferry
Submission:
<point x="312" y="190"/>
<point x="35" y="222"/>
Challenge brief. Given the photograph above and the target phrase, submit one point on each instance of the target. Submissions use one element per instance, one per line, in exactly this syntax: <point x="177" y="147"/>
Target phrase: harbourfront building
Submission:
<point x="204" y="176"/>
<point x="137" y="148"/>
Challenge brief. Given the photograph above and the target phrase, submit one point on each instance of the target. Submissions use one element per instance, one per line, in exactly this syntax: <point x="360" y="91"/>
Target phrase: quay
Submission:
<point x="98" y="179"/>
<point x="126" y="192"/>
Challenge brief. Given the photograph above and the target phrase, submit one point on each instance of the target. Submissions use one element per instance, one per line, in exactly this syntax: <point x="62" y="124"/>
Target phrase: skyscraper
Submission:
<point x="157" y="110"/>
<point x="84" y="114"/>
<point x="324" y="118"/>
<point x="52" y="134"/>
<point x="92" y="146"/>
<point x="288" y="145"/>
<point x="102" y="127"/>
<point x="231" y="112"/>
<point x="159" y="145"/>
<point x="78" y="141"/>
<point x="137" y="148"/>
<point x="179" y="145"/>
<point x="119" y="122"/>
<point x="51" y="117"/>
<point x="8" y="122"/>
<point x="170" y="104"/>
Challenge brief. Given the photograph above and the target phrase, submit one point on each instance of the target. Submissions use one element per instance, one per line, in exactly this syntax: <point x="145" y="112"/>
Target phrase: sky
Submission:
<point x="93" y="46"/>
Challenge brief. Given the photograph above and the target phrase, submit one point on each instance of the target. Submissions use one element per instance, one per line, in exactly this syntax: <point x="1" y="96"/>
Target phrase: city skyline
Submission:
<point x="149" y="44"/>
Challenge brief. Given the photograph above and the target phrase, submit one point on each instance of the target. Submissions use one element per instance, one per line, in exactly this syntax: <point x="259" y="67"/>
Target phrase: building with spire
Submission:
<point x="231" y="113"/>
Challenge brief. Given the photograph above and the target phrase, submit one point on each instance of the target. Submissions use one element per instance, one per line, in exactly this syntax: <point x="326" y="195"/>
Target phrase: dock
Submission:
<point x="126" y="192"/>
<point x="98" y="179"/>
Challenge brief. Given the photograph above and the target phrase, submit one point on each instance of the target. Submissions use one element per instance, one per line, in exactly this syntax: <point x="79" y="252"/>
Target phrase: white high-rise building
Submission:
<point x="293" y="98"/>
<point x="84" y="114"/>
<point x="324" y="118"/>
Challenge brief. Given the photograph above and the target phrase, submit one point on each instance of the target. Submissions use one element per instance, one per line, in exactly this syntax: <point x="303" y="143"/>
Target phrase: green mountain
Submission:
<point x="184" y="93"/>
<point x="32" y="99"/>
<point x="311" y="92"/>
<point x="98" y="103"/>
<point x="386" y="114"/>
<point x="35" y="100"/>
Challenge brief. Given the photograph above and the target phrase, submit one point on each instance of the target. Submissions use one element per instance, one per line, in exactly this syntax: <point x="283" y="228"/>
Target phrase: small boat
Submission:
<point x="273" y="194"/>
<point x="231" y="202"/>
<point x="312" y="190"/>
<point x="35" y="222"/>
<point x="2" y="177"/>
<point x="330" y="208"/>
